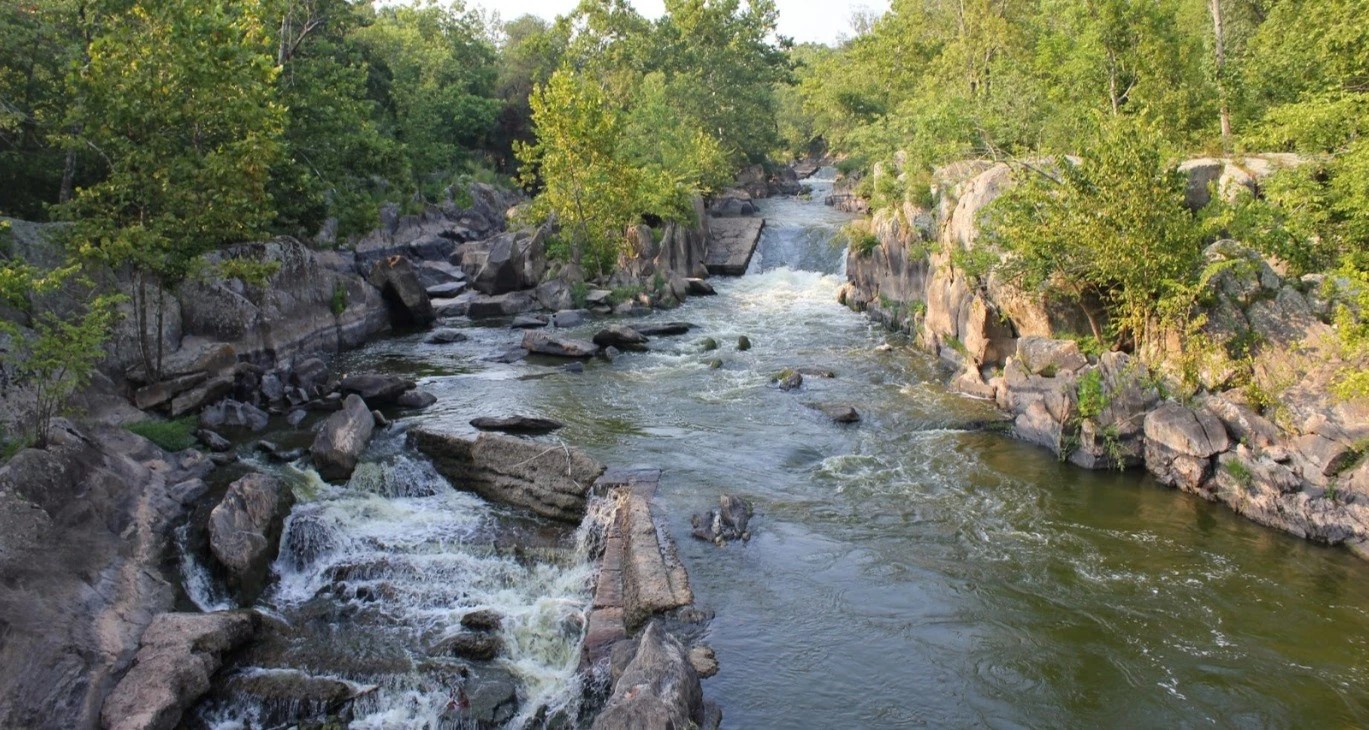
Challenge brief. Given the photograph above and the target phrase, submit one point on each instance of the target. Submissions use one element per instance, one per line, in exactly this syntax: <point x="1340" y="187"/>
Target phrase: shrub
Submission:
<point x="177" y="435"/>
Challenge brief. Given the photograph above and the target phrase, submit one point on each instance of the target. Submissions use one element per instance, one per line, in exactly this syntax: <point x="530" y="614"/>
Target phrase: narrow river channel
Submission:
<point x="905" y="571"/>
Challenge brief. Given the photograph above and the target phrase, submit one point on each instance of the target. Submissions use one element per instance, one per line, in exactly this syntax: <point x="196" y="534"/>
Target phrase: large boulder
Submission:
<point x="551" y="480"/>
<point x="377" y="390"/>
<point x="84" y="527"/>
<point x="621" y="337"/>
<point x="659" y="688"/>
<point x="343" y="437"/>
<point x="408" y="298"/>
<point x="245" y="528"/>
<point x="1180" y="444"/>
<point x="517" y="424"/>
<point x="179" y="653"/>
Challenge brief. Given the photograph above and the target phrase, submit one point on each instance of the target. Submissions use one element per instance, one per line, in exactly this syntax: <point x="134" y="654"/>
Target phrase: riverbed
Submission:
<point x="910" y="570"/>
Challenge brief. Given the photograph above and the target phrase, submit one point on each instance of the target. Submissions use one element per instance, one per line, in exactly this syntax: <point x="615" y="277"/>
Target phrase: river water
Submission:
<point x="906" y="571"/>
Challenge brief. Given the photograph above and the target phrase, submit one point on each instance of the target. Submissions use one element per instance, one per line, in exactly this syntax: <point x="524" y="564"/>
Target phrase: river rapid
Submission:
<point x="910" y="570"/>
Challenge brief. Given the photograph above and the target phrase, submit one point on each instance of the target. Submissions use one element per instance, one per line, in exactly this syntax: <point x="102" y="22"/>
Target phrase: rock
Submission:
<point x="597" y="297"/>
<point x="1047" y="357"/>
<point x="232" y="414"/>
<point x="415" y="400"/>
<point x="483" y="620"/>
<point x="549" y="479"/>
<point x="840" y="413"/>
<point x="731" y="244"/>
<point x="296" y="417"/>
<point x="518" y="424"/>
<point x="699" y="288"/>
<point x="495" y="266"/>
<point x="244" y="530"/>
<point x="743" y="343"/>
<point x="179" y="653"/>
<point x="576" y="368"/>
<point x="446" y="291"/>
<point x="494" y="700"/>
<point x="708" y="344"/>
<point x="715" y="364"/>
<point x="886" y="347"/>
<point x="1185" y="432"/>
<point x="377" y="390"/>
<point x="659" y="688"/>
<point x="554" y="294"/>
<point x="509" y="356"/>
<point x="529" y="322"/>
<point x="503" y="305"/>
<point x="159" y="394"/>
<point x="817" y="373"/>
<point x="476" y="646"/>
<point x="446" y="336"/>
<point x="621" y="337"/>
<point x="379" y="419"/>
<point x="704" y="661"/>
<point x="199" y="396"/>
<point x="727" y="523"/>
<point x="272" y="387"/>
<point x="398" y="283"/>
<point x="611" y="353"/>
<point x="342" y="439"/>
<point x="570" y="318"/>
<point x="281" y="696"/>
<point x="668" y="329"/>
<point x="788" y="379"/>
<point x="213" y="441"/>
<point x="279" y="454"/>
<point x="653" y="579"/>
<point x="545" y="343"/>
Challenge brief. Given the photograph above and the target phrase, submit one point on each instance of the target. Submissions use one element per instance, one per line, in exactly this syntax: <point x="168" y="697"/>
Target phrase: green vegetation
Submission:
<point x="1093" y="395"/>
<point x="177" y="435"/>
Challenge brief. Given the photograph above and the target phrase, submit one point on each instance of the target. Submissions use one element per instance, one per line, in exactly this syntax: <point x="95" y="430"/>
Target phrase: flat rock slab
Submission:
<point x="669" y="329"/>
<point x="731" y="244"/>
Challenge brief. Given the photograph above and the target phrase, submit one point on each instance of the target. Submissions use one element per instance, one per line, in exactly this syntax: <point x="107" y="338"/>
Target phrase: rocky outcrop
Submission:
<point x="1227" y="177"/>
<point x="245" y="529"/>
<point x="659" y="688"/>
<point x="84" y="527"/>
<point x="398" y="282"/>
<point x="509" y="262"/>
<point x="548" y="479"/>
<point x="472" y="213"/>
<point x="339" y="444"/>
<point x="731" y="244"/>
<point x="176" y="658"/>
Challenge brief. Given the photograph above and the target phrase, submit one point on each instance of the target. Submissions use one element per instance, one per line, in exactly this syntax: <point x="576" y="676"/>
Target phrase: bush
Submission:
<point x="177" y="435"/>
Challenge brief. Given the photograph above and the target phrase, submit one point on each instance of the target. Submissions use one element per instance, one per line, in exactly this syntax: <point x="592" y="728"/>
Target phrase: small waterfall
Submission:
<point x="199" y="584"/>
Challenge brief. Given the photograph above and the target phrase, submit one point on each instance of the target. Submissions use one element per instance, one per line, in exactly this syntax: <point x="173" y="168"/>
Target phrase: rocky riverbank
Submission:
<point x="1241" y="413"/>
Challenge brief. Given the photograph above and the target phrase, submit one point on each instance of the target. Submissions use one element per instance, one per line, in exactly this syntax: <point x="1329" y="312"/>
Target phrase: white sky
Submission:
<point x="820" y="21"/>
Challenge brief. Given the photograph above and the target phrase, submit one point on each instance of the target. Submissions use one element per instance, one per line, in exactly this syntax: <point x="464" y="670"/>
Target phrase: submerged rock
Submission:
<point x="446" y="336"/>
<point x="743" y="343"/>
<point x="788" y="379"/>
<point x="839" y="413"/>
<point x="545" y="343"/>
<point x="727" y="523"/>
<point x="669" y="329"/>
<point x="708" y="344"/>
<point x="483" y="620"/>
<point x="416" y="400"/>
<point x="477" y="646"/>
<point x="518" y="424"/>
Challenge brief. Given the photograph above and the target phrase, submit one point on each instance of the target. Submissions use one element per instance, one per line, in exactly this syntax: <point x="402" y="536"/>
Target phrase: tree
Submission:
<point x="178" y="101"/>
<point x="1111" y="228"/>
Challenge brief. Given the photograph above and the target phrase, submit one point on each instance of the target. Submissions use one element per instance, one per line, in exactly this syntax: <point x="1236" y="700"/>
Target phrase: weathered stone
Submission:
<point x="477" y="646"/>
<point x="699" y="288"/>
<point x="839" y="413"/>
<point x="1179" y="429"/>
<point x="743" y="343"/>
<point x="529" y="322"/>
<point x="445" y="336"/>
<point x="377" y="390"/>
<point x="343" y="437"/>
<point x="654" y="580"/>
<point x="567" y="318"/>
<point x="548" y="479"/>
<point x="446" y="291"/>
<point x="708" y="344"/>
<point x="179" y="653"/>
<point x="620" y="336"/>
<point x="731" y="244"/>
<point x="213" y="441"/>
<point x="398" y="282"/>
<point x="244" y="530"/>
<point x="659" y="688"/>
<point x="727" y="523"/>
<point x="232" y="414"/>
<point x="159" y="394"/>
<point x="415" y="400"/>
<point x="296" y="417"/>
<point x="788" y="379"/>
<point x="545" y="343"/>
<point x="704" y="661"/>
<point x="1043" y="356"/>
<point x="502" y="305"/>
<point x="518" y="424"/>
<point x="482" y="620"/>
<point x="204" y="394"/>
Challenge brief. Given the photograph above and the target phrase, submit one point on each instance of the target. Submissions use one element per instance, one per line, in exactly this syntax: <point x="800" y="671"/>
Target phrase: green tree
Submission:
<point x="178" y="100"/>
<point x="585" y="183"/>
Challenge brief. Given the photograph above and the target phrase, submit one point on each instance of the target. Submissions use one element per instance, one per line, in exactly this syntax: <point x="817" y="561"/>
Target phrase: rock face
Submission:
<point x="342" y="439"/>
<point x="658" y="689"/>
<point x="550" y="480"/>
<point x="546" y="343"/>
<point x="314" y="303"/>
<point x="506" y="263"/>
<point x="731" y="244"/>
<point x="408" y="299"/>
<point x="179" y="653"/>
<point x="727" y="523"/>
<point x="84" y="526"/>
<point x="245" y="528"/>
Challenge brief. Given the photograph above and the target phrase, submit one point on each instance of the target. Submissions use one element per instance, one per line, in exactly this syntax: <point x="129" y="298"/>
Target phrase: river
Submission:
<point x="905" y="571"/>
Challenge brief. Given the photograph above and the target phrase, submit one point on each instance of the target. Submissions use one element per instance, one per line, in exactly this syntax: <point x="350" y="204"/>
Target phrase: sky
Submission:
<point x="819" y="21"/>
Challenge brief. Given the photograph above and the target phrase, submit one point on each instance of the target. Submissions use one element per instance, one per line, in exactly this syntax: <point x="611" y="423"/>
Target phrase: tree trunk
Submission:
<point x="1219" y="53"/>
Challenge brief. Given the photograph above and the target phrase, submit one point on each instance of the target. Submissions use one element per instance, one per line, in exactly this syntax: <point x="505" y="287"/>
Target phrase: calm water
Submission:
<point x="905" y="571"/>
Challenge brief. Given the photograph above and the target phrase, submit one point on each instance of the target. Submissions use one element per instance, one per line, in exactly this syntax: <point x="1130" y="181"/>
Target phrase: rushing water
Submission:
<point x="904" y="572"/>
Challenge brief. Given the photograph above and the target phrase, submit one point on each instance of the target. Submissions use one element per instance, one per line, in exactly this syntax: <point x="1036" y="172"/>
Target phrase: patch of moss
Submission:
<point x="177" y="435"/>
